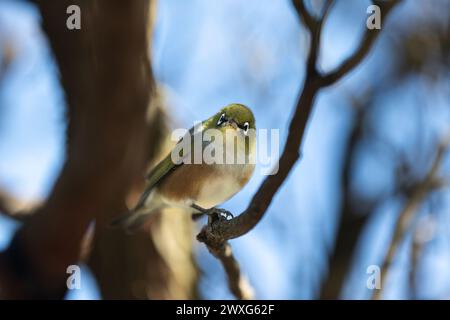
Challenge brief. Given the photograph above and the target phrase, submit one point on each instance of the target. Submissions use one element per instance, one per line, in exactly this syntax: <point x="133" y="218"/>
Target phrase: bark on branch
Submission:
<point x="216" y="233"/>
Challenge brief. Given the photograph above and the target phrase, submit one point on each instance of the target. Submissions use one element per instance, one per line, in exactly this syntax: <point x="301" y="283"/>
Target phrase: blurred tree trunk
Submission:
<point x="155" y="263"/>
<point x="107" y="79"/>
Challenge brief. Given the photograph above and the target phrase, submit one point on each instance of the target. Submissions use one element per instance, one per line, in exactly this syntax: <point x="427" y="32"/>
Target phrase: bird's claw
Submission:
<point x="197" y="216"/>
<point x="222" y="214"/>
<point x="213" y="213"/>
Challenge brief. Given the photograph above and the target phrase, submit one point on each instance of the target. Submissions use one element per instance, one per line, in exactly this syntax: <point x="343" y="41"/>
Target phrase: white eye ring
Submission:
<point x="246" y="126"/>
<point x="221" y="119"/>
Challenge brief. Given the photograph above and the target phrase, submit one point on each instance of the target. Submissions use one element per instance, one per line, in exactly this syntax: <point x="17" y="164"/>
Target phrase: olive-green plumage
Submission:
<point x="205" y="185"/>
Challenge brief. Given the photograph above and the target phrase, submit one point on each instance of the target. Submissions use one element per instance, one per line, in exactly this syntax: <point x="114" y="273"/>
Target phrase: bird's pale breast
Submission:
<point x="205" y="185"/>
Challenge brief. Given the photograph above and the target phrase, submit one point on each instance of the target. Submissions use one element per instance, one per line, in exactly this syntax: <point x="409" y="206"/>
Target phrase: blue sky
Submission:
<point x="207" y="54"/>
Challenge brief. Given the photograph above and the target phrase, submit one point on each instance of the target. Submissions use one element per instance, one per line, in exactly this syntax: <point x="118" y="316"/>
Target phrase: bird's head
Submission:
<point x="233" y="116"/>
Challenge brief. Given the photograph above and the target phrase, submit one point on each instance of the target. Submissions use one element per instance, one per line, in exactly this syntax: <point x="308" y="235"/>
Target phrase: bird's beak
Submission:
<point x="233" y="124"/>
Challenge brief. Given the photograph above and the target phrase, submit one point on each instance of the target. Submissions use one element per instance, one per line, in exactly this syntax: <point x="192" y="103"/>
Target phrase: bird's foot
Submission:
<point x="213" y="213"/>
<point x="219" y="214"/>
<point x="197" y="216"/>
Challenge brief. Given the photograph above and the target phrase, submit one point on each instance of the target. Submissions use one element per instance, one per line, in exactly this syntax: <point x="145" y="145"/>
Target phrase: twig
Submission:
<point x="309" y="21"/>
<point x="422" y="189"/>
<point x="221" y="249"/>
<point x="237" y="283"/>
<point x="314" y="27"/>
<point x="363" y="49"/>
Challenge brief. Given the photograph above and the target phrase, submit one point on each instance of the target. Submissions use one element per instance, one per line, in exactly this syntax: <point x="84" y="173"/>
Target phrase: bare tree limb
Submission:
<point x="423" y="232"/>
<point x="237" y="283"/>
<point x="351" y="223"/>
<point x="422" y="189"/>
<point x="314" y="27"/>
<point x="308" y="20"/>
<point x="238" y="226"/>
<point x="363" y="49"/>
<point x="216" y="233"/>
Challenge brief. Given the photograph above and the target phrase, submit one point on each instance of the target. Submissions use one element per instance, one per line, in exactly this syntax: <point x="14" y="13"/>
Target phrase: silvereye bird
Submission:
<point x="200" y="187"/>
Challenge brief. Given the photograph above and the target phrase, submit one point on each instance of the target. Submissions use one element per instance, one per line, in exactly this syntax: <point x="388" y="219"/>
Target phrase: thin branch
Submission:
<point x="314" y="27"/>
<point x="416" y="253"/>
<point x="423" y="188"/>
<point x="309" y="21"/>
<point x="363" y="49"/>
<point x="352" y="220"/>
<point x="237" y="283"/>
<point x="326" y="9"/>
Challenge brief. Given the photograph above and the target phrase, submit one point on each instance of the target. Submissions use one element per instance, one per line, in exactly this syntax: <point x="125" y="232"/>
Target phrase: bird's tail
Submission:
<point x="132" y="221"/>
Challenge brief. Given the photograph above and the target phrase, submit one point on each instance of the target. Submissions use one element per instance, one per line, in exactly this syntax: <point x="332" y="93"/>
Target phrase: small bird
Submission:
<point x="198" y="188"/>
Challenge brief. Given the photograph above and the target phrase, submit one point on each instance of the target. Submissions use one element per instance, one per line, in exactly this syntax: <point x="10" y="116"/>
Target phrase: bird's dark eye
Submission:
<point x="246" y="126"/>
<point x="222" y="119"/>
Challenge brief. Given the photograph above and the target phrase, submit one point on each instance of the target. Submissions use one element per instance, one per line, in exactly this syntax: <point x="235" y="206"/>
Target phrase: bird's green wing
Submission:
<point x="153" y="177"/>
<point x="167" y="165"/>
<point x="156" y="175"/>
<point x="162" y="169"/>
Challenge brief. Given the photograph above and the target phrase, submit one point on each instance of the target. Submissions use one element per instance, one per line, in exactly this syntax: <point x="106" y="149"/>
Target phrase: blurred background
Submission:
<point x="370" y="143"/>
